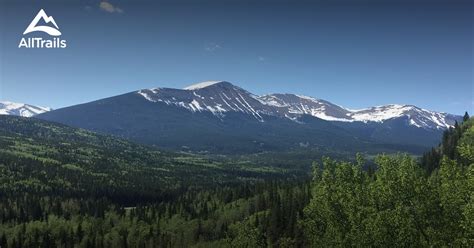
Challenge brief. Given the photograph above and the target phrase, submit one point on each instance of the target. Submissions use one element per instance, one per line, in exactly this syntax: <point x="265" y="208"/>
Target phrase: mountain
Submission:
<point x="216" y="97"/>
<point x="416" y="116"/>
<point x="220" y="117"/>
<point x="219" y="97"/>
<point x="21" y="109"/>
<point x="295" y="105"/>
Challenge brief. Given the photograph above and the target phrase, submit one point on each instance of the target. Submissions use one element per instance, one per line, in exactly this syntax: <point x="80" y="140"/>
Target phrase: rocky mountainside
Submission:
<point x="217" y="116"/>
<point x="220" y="97"/>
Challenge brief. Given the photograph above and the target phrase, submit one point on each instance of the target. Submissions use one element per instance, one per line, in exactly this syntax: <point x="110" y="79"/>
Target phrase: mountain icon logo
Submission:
<point x="47" y="29"/>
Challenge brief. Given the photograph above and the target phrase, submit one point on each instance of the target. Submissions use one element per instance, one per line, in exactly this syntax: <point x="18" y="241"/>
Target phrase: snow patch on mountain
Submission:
<point x="147" y="96"/>
<point x="271" y="101"/>
<point x="21" y="109"/>
<point x="296" y="105"/>
<point x="380" y="113"/>
<point x="220" y="97"/>
<point x="201" y="85"/>
<point x="417" y="116"/>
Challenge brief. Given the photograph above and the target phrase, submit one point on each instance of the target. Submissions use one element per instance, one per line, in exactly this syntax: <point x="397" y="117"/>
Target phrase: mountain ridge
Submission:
<point x="289" y="105"/>
<point x="219" y="117"/>
<point x="21" y="109"/>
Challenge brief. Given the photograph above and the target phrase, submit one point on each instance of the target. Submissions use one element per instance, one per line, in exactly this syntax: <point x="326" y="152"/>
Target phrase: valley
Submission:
<point x="236" y="124"/>
<point x="69" y="187"/>
<point x="213" y="165"/>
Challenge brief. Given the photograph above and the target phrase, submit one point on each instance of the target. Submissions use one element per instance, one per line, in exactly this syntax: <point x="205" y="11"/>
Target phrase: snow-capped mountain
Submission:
<point x="217" y="116"/>
<point x="293" y="106"/>
<point x="217" y="97"/>
<point x="416" y="116"/>
<point x="220" y="97"/>
<point x="21" y="109"/>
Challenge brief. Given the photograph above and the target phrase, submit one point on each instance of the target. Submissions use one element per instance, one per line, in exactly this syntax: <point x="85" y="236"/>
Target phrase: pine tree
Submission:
<point x="3" y="241"/>
<point x="466" y="117"/>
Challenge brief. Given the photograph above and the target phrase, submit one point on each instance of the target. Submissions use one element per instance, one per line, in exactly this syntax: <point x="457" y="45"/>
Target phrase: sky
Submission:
<point x="353" y="53"/>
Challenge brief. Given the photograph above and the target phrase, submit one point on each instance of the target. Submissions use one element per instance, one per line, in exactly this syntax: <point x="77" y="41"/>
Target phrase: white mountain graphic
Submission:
<point x="47" y="19"/>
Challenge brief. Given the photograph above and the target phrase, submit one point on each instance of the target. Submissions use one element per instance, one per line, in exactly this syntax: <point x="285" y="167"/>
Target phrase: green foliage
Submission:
<point x="449" y="145"/>
<point x="225" y="217"/>
<point x="66" y="187"/>
<point x="246" y="235"/>
<point x="397" y="205"/>
<point x="43" y="158"/>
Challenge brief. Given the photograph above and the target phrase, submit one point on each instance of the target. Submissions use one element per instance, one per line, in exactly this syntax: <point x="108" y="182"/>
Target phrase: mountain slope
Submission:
<point x="132" y="116"/>
<point x="417" y="117"/>
<point x="220" y="117"/>
<point x="21" y="109"/>
<point x="42" y="157"/>
<point x="217" y="97"/>
<point x="294" y="105"/>
<point x="220" y="97"/>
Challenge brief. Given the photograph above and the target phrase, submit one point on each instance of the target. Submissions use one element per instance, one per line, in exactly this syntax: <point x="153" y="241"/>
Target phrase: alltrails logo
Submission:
<point x="39" y="42"/>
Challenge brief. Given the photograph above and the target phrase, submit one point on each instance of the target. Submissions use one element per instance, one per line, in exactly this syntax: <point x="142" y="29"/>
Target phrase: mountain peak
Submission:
<point x="21" y="109"/>
<point x="206" y="84"/>
<point x="418" y="117"/>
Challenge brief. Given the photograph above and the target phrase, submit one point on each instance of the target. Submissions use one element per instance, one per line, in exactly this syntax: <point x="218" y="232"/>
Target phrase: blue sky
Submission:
<point x="353" y="53"/>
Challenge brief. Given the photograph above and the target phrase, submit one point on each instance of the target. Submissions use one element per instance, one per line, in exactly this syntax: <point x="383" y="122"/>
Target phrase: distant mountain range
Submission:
<point x="21" y="109"/>
<point x="217" y="116"/>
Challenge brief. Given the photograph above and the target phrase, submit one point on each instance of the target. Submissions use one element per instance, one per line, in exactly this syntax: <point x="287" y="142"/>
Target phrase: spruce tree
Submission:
<point x="466" y="117"/>
<point x="3" y="241"/>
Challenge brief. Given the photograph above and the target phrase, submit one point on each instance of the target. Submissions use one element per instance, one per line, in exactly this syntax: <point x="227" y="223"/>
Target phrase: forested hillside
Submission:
<point x="448" y="146"/>
<point x="54" y="171"/>
<point x="42" y="157"/>
<point x="399" y="204"/>
<point x="65" y="187"/>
